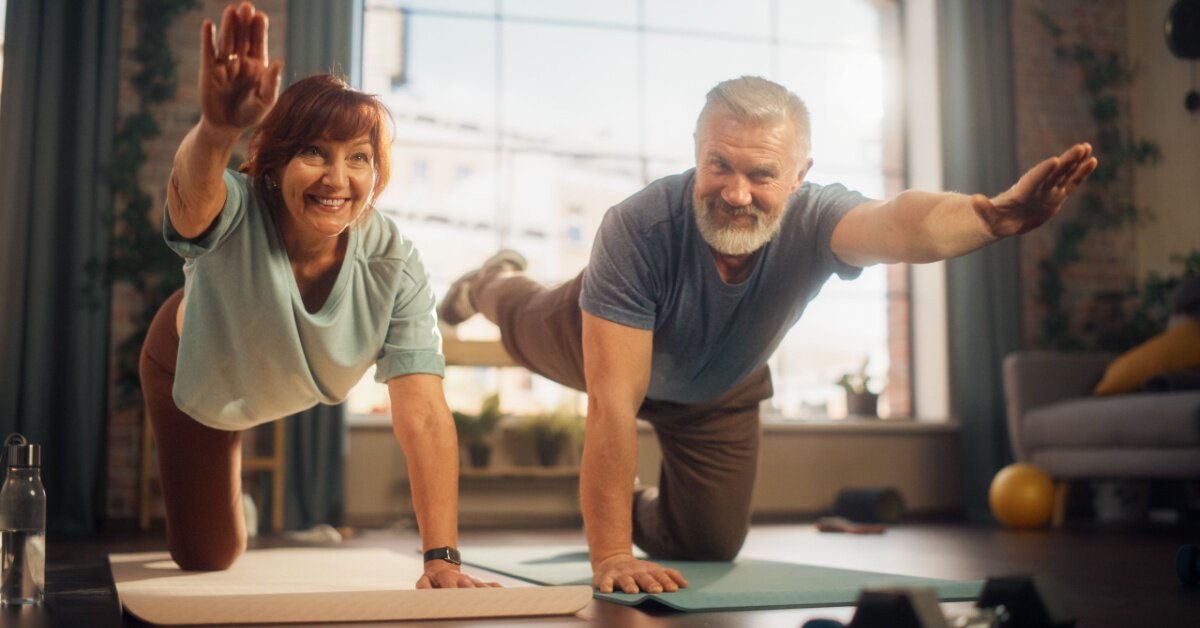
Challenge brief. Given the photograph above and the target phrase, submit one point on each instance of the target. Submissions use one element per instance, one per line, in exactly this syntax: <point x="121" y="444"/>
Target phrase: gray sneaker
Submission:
<point x="457" y="306"/>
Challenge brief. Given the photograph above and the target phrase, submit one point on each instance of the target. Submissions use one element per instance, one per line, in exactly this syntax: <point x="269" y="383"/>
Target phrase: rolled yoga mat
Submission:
<point x="303" y="585"/>
<point x="745" y="584"/>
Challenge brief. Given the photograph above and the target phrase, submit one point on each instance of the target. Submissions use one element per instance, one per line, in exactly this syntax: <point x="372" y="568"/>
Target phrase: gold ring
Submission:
<point x="233" y="56"/>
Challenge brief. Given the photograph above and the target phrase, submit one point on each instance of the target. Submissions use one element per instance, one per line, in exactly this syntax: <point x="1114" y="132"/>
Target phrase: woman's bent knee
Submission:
<point x="212" y="555"/>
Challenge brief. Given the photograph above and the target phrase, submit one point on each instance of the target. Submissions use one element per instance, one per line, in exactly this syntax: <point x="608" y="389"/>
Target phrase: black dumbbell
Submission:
<point x="1025" y="602"/>
<point x="1187" y="564"/>
<point x="1006" y="602"/>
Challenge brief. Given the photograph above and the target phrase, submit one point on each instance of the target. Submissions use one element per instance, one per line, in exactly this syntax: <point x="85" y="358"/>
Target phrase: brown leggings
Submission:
<point x="701" y="508"/>
<point x="199" y="468"/>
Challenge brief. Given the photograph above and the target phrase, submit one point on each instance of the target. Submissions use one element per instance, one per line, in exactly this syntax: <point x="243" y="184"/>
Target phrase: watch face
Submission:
<point x="1183" y="29"/>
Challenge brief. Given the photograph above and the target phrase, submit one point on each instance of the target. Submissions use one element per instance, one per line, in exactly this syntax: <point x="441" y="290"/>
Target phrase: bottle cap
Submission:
<point x="28" y="455"/>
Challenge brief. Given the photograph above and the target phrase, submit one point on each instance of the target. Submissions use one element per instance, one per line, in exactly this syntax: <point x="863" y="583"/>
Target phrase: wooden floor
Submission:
<point x="1117" y="578"/>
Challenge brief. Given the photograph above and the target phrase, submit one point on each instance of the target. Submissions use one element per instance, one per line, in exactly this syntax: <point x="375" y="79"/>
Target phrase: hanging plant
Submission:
<point x="1102" y="205"/>
<point x="138" y="256"/>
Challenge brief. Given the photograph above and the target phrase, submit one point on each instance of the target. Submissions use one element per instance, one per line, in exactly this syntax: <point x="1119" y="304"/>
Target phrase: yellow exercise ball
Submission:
<point x="1022" y="496"/>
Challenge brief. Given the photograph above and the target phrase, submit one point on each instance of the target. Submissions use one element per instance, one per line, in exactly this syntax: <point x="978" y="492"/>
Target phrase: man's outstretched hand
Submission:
<point x="626" y="574"/>
<point x="1038" y="195"/>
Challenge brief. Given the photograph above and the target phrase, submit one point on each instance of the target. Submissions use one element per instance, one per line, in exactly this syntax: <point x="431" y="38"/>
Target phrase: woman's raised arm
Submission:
<point x="238" y="86"/>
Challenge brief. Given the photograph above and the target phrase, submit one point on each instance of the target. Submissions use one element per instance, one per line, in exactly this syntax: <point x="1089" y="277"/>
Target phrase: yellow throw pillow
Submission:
<point x="1176" y="349"/>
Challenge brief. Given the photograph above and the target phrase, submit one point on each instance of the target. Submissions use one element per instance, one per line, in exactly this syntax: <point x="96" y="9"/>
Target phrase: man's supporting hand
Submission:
<point x="626" y="574"/>
<point x="1038" y="195"/>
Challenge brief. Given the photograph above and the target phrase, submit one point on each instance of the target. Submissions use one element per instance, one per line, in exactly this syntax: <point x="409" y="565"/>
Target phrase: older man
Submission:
<point x="692" y="284"/>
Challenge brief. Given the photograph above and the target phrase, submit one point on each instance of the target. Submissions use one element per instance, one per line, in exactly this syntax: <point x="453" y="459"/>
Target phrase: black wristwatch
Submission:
<point x="448" y="554"/>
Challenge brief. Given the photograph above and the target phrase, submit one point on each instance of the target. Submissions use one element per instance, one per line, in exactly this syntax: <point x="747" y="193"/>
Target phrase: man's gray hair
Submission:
<point x="755" y="100"/>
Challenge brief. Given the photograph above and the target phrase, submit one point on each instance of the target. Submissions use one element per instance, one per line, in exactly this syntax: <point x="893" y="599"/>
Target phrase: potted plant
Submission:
<point x="550" y="432"/>
<point x="476" y="430"/>
<point x="859" y="400"/>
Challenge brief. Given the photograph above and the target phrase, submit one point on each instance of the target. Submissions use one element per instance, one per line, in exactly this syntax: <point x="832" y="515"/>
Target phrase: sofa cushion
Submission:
<point x="1119" y="462"/>
<point x="1175" y="349"/>
<point x="1134" y="420"/>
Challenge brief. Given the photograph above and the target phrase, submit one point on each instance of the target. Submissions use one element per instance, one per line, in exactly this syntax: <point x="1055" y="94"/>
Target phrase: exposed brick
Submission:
<point x="175" y="118"/>
<point x="1052" y="112"/>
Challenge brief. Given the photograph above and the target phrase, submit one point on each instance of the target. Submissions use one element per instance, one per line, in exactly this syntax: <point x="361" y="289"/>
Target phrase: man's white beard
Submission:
<point x="732" y="239"/>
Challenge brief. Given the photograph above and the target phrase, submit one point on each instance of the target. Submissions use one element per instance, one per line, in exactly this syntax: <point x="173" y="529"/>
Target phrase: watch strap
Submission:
<point x="448" y="554"/>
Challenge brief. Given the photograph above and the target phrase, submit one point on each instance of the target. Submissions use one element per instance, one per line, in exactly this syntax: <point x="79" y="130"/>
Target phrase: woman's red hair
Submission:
<point x="321" y="106"/>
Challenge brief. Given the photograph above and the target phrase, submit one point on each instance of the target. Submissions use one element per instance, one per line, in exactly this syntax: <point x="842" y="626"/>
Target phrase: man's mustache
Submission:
<point x="717" y="203"/>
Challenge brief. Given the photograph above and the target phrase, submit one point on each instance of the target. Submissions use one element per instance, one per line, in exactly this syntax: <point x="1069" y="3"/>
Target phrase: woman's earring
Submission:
<point x="271" y="185"/>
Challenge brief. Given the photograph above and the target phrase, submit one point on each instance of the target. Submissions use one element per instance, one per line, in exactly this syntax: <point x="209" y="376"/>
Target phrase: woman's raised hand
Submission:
<point x="238" y="85"/>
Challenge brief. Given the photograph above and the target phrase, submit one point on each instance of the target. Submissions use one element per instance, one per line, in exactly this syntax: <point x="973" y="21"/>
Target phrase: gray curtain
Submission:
<point x="979" y="152"/>
<point x="57" y="113"/>
<point x="323" y="36"/>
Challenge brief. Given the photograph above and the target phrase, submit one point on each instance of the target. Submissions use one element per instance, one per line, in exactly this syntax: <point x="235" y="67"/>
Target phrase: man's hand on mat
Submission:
<point x="630" y="575"/>
<point x="442" y="575"/>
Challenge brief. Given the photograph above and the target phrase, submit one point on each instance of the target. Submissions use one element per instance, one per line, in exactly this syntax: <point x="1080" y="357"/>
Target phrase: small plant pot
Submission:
<point x="548" y="452"/>
<point x="864" y="404"/>
<point x="480" y="454"/>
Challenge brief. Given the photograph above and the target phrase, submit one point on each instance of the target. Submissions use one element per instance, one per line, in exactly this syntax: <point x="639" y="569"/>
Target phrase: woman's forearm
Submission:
<point x="196" y="190"/>
<point x="430" y="445"/>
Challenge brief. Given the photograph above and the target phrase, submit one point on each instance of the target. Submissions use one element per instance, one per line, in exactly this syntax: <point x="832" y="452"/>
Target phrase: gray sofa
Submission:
<point x="1055" y="423"/>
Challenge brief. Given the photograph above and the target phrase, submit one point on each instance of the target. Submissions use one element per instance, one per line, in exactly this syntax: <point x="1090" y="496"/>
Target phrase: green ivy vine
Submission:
<point x="137" y="254"/>
<point x="1120" y="318"/>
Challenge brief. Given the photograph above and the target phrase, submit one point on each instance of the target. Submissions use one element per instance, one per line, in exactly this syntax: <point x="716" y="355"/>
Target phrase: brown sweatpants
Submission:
<point x="199" y="468"/>
<point x="701" y="507"/>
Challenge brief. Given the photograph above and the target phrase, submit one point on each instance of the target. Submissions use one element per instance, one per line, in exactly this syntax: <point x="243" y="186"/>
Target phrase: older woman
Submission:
<point x="294" y="288"/>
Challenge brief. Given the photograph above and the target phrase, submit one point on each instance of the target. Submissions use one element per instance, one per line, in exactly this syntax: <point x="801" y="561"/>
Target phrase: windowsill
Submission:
<point x="860" y="425"/>
<point x="770" y="424"/>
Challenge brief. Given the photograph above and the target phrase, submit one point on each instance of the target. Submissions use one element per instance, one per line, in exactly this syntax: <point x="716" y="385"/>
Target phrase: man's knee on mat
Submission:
<point x="715" y="547"/>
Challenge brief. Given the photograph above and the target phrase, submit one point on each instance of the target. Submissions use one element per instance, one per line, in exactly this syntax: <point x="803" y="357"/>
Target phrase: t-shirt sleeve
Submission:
<point x="413" y="343"/>
<point x="237" y="195"/>
<point x="619" y="282"/>
<point x="831" y="203"/>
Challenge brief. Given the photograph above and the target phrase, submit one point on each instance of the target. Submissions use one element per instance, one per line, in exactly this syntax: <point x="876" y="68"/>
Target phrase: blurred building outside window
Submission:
<point x="520" y="122"/>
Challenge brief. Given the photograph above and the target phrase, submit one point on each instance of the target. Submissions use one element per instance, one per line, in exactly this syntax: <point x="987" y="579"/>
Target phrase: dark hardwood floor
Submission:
<point x="1108" y="577"/>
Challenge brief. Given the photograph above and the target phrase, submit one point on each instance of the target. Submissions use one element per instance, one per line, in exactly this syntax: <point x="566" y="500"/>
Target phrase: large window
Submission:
<point x="3" y="21"/>
<point x="520" y="122"/>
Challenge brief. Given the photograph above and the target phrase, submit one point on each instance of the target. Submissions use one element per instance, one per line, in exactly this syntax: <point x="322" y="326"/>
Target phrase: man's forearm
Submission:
<point x="936" y="225"/>
<point x="606" y="479"/>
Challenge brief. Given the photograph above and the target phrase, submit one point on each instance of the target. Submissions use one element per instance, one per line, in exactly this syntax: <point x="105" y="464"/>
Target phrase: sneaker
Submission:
<point x="457" y="306"/>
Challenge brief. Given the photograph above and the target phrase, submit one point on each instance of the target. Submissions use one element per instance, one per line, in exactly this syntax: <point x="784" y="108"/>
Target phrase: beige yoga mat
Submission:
<point x="302" y="585"/>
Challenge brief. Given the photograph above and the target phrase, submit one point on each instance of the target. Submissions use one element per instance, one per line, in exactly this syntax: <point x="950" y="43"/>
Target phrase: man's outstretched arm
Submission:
<point x="616" y="364"/>
<point x="918" y="227"/>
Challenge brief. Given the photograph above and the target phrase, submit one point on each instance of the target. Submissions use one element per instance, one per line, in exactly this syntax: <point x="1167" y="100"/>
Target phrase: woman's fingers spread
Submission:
<point x="228" y="35"/>
<point x="258" y="36"/>
<point x="208" y="53"/>
<point x="245" y="16"/>
<point x="269" y="85"/>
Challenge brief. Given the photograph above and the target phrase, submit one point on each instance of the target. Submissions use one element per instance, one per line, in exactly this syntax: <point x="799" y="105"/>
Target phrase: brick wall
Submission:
<point x="898" y="394"/>
<point x="175" y="119"/>
<point x="1052" y="112"/>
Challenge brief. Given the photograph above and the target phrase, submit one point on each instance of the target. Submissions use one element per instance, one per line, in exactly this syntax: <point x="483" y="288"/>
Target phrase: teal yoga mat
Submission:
<point x="745" y="584"/>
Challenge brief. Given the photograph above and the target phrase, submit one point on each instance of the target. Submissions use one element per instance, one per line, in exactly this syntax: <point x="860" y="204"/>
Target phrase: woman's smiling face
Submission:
<point x="328" y="185"/>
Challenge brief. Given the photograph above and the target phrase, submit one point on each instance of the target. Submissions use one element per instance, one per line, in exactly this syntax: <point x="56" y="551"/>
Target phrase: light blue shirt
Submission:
<point x="250" y="352"/>
<point x="651" y="269"/>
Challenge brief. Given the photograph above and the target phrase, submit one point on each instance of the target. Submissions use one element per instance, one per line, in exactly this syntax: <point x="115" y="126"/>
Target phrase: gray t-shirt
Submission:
<point x="250" y="352"/>
<point x="651" y="269"/>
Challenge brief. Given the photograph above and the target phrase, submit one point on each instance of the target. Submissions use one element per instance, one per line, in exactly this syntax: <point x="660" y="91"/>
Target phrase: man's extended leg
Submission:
<point x="540" y="326"/>
<point x="701" y="508"/>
